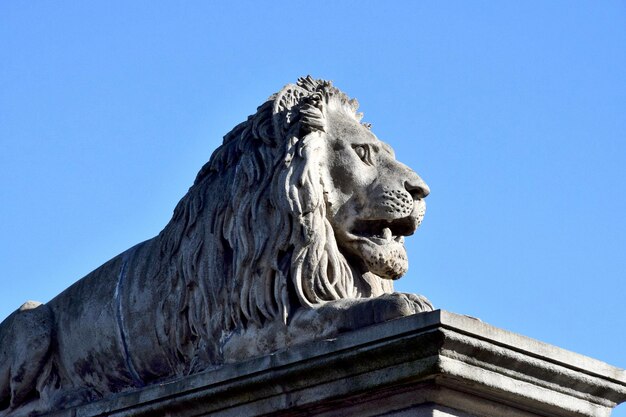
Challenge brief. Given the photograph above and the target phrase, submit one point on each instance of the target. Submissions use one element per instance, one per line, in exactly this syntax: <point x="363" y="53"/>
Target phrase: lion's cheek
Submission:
<point x="387" y="261"/>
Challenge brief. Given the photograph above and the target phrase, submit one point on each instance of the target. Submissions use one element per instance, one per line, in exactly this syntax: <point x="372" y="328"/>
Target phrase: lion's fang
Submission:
<point x="387" y="234"/>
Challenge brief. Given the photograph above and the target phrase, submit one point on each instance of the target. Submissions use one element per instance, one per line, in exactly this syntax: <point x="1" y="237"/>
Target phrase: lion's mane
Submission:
<point x="250" y="240"/>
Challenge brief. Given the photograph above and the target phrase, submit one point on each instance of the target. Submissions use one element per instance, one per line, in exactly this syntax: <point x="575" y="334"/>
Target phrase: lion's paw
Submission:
<point x="391" y="306"/>
<point x="422" y="304"/>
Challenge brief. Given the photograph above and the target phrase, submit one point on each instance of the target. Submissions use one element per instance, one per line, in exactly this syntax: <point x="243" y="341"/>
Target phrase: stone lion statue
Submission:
<point x="294" y="230"/>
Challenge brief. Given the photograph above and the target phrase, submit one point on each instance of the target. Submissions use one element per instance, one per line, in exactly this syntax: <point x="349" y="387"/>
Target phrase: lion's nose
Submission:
<point x="417" y="187"/>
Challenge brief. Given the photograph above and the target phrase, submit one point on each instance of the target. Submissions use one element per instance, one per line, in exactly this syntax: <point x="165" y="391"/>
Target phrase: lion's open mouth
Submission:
<point x="385" y="231"/>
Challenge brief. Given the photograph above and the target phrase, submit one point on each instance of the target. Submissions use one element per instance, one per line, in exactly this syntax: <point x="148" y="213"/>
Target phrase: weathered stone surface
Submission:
<point x="293" y="231"/>
<point x="429" y="364"/>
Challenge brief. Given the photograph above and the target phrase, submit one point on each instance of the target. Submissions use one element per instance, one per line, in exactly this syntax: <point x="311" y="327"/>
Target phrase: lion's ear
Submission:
<point x="284" y="114"/>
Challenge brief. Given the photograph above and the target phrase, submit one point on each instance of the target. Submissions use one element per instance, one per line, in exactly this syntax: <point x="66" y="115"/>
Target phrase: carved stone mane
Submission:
<point x="293" y="230"/>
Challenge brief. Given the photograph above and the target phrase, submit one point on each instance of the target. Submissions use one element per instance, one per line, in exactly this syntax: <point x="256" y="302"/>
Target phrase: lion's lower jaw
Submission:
<point x="388" y="261"/>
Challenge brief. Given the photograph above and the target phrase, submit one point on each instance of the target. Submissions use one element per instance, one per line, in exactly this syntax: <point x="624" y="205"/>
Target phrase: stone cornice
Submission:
<point x="436" y="360"/>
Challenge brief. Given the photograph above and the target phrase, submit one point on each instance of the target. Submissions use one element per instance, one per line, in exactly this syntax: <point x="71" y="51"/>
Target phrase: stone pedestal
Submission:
<point x="431" y="364"/>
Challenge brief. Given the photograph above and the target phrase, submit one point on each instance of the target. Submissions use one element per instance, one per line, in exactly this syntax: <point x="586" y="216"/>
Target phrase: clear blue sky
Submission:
<point x="513" y="112"/>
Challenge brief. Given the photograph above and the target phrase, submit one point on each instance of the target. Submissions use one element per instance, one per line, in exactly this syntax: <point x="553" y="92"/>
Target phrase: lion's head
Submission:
<point x="299" y="206"/>
<point x="373" y="200"/>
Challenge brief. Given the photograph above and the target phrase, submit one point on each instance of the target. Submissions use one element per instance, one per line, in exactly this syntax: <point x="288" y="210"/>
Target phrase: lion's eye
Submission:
<point x="363" y="152"/>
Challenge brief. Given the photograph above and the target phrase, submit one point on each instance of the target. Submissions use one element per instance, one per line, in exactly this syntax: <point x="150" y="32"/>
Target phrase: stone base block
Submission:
<point x="431" y="364"/>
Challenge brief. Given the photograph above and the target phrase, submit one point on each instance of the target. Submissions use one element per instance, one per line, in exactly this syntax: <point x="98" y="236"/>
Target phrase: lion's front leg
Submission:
<point x="323" y="322"/>
<point x="344" y="315"/>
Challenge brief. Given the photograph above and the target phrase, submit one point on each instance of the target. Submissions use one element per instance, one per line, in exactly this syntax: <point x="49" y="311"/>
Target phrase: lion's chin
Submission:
<point x="388" y="260"/>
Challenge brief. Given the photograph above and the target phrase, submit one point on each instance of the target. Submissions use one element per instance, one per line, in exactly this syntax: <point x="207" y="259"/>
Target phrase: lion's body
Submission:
<point x="115" y="315"/>
<point x="292" y="231"/>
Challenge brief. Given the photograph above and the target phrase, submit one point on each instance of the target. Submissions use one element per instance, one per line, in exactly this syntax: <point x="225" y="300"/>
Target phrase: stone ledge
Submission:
<point x="430" y="364"/>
